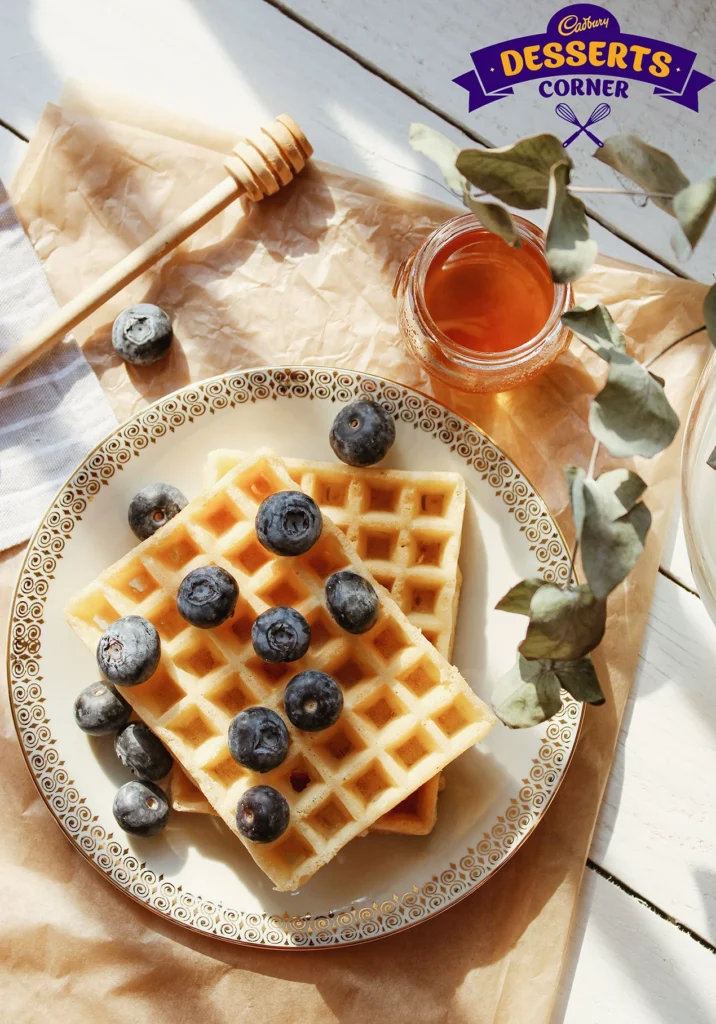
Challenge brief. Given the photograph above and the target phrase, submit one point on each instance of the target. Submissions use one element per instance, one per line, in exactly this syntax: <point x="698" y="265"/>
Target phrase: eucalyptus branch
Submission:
<point x="598" y="190"/>
<point x="672" y="344"/>
<point x="590" y="476"/>
<point x="584" y="190"/>
<point x="572" y="561"/>
<point x="535" y="173"/>
<point x="593" y="460"/>
<point x="630" y="416"/>
<point x="597" y="444"/>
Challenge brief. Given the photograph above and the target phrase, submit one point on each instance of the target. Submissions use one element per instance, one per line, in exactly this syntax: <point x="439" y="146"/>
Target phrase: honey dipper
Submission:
<point x="259" y="166"/>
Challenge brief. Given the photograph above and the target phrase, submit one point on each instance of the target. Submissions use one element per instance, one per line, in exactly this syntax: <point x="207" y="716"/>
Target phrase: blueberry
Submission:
<point x="288" y="522"/>
<point x="100" y="709"/>
<point x="207" y="596"/>
<point x="280" y="634"/>
<point x="262" y="814"/>
<point x="128" y="652"/>
<point x="142" y="334"/>
<point x="141" y="808"/>
<point x="258" y="739"/>
<point x="352" y="601"/>
<point x="152" y="507"/>
<point x="138" y="749"/>
<point x="313" y="701"/>
<point x="362" y="433"/>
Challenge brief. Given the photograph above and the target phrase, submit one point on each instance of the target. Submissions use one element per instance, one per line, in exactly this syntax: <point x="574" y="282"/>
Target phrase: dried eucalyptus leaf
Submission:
<point x="649" y="168"/>
<point x="570" y="250"/>
<point x="659" y="380"/>
<point x="596" y="328"/>
<point x="680" y="243"/>
<point x="527" y="695"/>
<point x="711" y="461"/>
<point x="575" y="483"/>
<point x="620" y="490"/>
<point x="564" y="624"/>
<point x="617" y="491"/>
<point x="517" y="174"/>
<point x="610" y="547"/>
<point x="580" y="679"/>
<point x="710" y="313"/>
<point x="632" y="415"/>
<point x="518" y="599"/>
<point x="693" y="207"/>
<point x="441" y="151"/>
<point x="496" y="219"/>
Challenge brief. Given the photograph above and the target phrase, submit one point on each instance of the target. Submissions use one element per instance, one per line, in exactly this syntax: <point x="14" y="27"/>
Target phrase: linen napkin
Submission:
<point x="52" y="413"/>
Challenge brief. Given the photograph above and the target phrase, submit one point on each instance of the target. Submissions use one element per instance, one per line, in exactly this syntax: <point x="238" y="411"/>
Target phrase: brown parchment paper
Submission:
<point x="306" y="278"/>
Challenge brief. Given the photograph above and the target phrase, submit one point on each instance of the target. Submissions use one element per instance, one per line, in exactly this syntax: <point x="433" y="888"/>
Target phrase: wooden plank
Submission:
<point x="629" y="966"/>
<point x="254" y="63"/>
<point x="12" y="151"/>
<point x="657" y="827"/>
<point x="424" y="45"/>
<point x="675" y="556"/>
<point x="361" y="122"/>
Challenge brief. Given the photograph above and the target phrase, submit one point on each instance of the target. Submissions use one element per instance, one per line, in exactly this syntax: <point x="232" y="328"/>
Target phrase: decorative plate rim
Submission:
<point x="351" y="925"/>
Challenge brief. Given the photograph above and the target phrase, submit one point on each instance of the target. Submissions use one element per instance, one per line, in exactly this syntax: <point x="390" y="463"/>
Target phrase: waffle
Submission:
<point x="413" y="557"/>
<point x="407" y="712"/>
<point x="416" y="815"/>
<point x="346" y="494"/>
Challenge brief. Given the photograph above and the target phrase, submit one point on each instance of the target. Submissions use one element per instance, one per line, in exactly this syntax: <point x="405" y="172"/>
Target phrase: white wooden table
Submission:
<point x="355" y="75"/>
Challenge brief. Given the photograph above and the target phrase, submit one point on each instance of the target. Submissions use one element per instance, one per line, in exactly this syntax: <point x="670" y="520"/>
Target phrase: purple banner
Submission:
<point x="586" y="40"/>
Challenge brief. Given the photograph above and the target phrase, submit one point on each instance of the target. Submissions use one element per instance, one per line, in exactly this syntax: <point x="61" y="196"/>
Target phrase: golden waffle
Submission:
<point x="370" y="505"/>
<point x="407" y="712"/>
<point x="412" y="556"/>
<point x="416" y="815"/>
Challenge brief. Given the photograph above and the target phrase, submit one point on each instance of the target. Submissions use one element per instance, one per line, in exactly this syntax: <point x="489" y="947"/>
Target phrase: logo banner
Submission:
<point x="585" y="40"/>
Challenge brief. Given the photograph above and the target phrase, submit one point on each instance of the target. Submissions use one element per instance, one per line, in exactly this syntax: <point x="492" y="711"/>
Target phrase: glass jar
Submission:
<point x="445" y="357"/>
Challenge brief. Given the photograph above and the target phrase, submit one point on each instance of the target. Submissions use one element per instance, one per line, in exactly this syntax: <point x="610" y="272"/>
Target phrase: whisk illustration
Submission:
<point x="564" y="111"/>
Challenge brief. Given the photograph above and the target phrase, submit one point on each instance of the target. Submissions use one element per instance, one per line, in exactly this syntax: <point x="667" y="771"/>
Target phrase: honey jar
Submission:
<point x="478" y="314"/>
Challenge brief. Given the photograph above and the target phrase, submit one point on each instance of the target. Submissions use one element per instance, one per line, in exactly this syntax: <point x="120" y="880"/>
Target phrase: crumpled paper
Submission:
<point x="306" y="277"/>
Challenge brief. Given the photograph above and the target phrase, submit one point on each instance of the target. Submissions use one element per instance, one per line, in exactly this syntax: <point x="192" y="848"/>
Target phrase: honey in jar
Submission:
<point x="477" y="313"/>
<point x="487" y="296"/>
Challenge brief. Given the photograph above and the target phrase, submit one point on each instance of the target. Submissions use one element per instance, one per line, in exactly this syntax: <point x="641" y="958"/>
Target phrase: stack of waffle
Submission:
<point x="407" y="712"/>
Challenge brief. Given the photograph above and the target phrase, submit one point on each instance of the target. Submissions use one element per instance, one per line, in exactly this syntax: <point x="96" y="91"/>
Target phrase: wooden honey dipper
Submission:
<point x="259" y="166"/>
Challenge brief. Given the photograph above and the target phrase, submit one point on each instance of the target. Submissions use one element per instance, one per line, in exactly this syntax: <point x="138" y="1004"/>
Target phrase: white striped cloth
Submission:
<point x="51" y="414"/>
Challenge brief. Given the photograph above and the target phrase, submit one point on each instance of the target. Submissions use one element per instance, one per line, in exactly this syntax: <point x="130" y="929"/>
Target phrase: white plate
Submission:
<point x="196" y="872"/>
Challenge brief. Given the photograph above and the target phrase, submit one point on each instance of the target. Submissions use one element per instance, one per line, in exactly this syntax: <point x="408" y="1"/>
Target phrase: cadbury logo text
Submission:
<point x="571" y="24"/>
